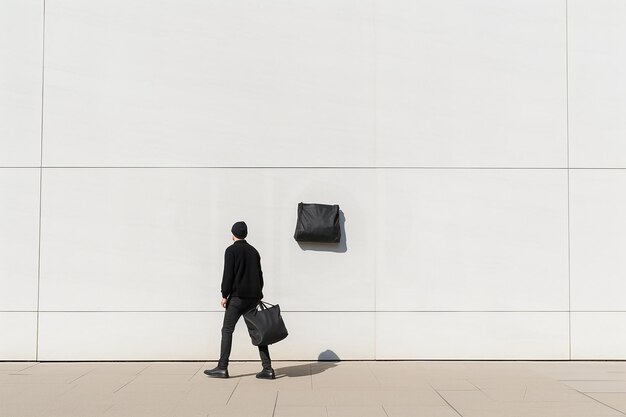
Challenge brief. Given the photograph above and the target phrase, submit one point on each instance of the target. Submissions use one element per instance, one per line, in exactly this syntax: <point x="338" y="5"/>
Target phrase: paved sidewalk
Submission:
<point x="316" y="389"/>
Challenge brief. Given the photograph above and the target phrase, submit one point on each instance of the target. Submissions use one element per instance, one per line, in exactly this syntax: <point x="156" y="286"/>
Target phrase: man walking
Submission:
<point x="242" y="285"/>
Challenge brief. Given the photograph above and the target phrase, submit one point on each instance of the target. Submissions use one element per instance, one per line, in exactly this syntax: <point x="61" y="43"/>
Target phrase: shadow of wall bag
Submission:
<point x="318" y="223"/>
<point x="265" y="324"/>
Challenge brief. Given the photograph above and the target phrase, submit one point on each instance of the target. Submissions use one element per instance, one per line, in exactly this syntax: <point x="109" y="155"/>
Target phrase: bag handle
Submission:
<point x="264" y="305"/>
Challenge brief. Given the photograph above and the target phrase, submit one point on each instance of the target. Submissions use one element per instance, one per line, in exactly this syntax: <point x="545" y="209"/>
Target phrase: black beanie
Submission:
<point x="240" y="230"/>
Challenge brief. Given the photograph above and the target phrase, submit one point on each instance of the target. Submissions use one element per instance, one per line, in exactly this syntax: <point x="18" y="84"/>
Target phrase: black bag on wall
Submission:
<point x="318" y="223"/>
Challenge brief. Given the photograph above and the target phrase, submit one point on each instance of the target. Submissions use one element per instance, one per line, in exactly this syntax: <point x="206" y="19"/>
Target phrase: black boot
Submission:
<point x="217" y="372"/>
<point x="266" y="374"/>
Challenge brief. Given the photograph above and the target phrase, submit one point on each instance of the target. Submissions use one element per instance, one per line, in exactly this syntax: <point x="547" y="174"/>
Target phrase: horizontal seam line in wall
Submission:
<point x="313" y="167"/>
<point x="319" y="311"/>
<point x="301" y="167"/>
<point x="302" y="360"/>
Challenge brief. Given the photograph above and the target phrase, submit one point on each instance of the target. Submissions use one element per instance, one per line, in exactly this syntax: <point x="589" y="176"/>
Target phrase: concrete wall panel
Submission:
<point x="597" y="55"/>
<point x="154" y="239"/>
<point x="509" y="335"/>
<point x="19" y="238"/>
<point x="21" y="59"/>
<point x="598" y="239"/>
<point x="186" y="83"/>
<point x="471" y="83"/>
<point x="19" y="336"/>
<point x="472" y="240"/>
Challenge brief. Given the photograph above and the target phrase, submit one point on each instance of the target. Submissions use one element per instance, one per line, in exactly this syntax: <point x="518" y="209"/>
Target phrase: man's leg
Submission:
<point x="231" y="316"/>
<point x="264" y="353"/>
<point x="267" y="372"/>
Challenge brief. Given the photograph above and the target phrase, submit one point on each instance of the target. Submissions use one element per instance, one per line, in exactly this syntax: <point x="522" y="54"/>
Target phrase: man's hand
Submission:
<point x="223" y="302"/>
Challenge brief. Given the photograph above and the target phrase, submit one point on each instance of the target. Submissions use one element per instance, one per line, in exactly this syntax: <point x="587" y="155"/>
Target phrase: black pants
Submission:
<point x="235" y="308"/>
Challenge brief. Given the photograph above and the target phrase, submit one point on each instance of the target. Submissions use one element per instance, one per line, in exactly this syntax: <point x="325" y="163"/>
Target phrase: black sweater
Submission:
<point x="242" y="271"/>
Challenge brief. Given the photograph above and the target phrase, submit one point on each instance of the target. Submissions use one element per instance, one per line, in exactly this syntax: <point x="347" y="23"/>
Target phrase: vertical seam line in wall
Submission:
<point x="569" y="263"/>
<point x="375" y="64"/>
<point x="43" y="57"/>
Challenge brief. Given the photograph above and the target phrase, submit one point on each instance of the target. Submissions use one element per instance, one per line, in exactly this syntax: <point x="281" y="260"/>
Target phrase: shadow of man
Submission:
<point x="325" y="360"/>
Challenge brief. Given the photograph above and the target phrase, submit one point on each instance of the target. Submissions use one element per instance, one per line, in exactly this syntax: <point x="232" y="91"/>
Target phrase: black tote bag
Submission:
<point x="265" y="324"/>
<point x="318" y="223"/>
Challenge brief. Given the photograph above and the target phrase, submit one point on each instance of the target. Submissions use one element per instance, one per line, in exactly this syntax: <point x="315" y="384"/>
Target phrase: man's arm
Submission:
<point x="229" y="272"/>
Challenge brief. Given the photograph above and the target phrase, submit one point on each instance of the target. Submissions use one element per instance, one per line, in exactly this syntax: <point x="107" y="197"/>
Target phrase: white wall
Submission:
<point x="476" y="149"/>
<point x="21" y="49"/>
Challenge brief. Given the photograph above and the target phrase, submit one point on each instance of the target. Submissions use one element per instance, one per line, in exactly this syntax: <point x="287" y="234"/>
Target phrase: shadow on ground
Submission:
<point x="325" y="360"/>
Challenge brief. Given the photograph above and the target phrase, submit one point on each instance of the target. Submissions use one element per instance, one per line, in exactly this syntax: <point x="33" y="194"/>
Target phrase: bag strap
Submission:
<point x="264" y="305"/>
